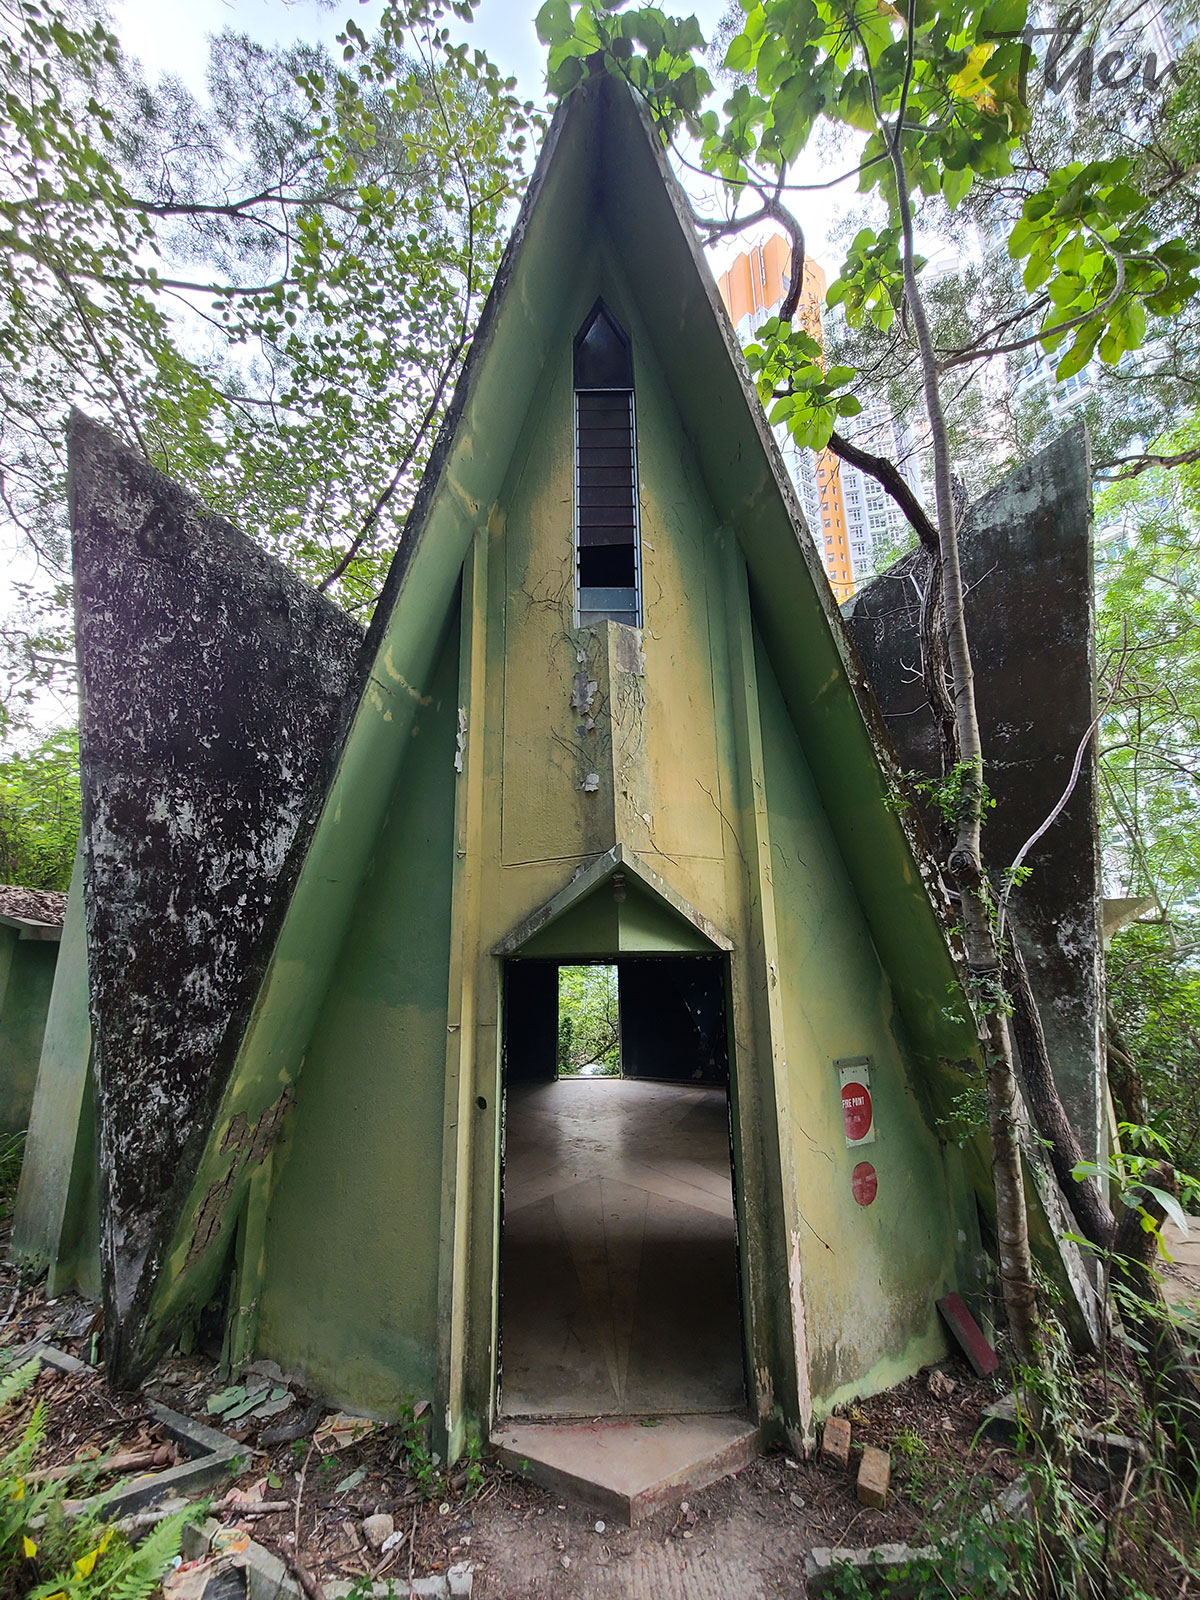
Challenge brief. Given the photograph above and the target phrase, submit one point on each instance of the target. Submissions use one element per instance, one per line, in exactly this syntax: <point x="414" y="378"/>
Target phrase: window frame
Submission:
<point x="601" y="307"/>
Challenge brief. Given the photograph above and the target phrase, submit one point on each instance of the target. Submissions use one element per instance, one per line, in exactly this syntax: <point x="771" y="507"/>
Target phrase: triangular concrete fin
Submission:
<point x="212" y="687"/>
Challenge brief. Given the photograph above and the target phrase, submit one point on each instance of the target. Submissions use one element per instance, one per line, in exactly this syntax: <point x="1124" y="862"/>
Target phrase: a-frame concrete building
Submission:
<point x="607" y="710"/>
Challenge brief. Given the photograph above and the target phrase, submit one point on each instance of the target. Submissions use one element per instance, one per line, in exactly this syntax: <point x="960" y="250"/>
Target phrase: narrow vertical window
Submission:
<point x="607" y="559"/>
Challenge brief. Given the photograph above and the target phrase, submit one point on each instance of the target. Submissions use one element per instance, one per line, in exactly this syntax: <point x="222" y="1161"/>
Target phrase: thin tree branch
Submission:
<point x="1132" y="466"/>
<point x="888" y="474"/>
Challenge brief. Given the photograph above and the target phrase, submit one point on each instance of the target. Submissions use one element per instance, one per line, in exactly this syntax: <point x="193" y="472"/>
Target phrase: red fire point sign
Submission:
<point x="856" y="1111"/>
<point x="864" y="1183"/>
<point x="854" y="1081"/>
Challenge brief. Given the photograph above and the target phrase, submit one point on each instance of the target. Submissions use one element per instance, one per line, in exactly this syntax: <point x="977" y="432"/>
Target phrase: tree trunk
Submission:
<point x="1124" y="1078"/>
<point x="965" y="867"/>
<point x="1088" y="1206"/>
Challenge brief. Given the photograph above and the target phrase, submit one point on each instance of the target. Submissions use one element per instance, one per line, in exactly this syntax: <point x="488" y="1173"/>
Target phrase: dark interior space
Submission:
<point x="619" y="1272"/>
<point x="607" y="566"/>
<point x="673" y="1019"/>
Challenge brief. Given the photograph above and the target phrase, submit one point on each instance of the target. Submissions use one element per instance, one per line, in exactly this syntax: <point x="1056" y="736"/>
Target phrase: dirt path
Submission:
<point x="1181" y="1277"/>
<point x="742" y="1539"/>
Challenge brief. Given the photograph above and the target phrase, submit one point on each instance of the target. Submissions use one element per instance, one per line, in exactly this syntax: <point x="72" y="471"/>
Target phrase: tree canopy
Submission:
<point x="269" y="294"/>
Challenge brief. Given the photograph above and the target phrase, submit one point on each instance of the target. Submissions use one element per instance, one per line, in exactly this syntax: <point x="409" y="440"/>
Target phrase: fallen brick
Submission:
<point x="835" y="1442"/>
<point x="874" y="1475"/>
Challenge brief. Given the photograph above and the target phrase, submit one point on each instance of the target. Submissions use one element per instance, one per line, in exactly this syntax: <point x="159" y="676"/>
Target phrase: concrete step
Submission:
<point x="628" y="1467"/>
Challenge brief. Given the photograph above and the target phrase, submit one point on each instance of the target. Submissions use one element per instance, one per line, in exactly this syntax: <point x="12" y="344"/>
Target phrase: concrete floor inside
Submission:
<point x="619" y="1284"/>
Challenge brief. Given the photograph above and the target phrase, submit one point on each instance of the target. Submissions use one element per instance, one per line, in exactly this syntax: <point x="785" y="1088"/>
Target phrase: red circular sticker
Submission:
<point x="856" y="1110"/>
<point x="864" y="1183"/>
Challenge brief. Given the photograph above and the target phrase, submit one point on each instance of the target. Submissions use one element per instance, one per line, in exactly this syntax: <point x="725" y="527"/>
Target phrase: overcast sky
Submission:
<point x="170" y="38"/>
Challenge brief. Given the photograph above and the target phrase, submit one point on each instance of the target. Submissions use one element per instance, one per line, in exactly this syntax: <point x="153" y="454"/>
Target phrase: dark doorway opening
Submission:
<point x="619" y="1268"/>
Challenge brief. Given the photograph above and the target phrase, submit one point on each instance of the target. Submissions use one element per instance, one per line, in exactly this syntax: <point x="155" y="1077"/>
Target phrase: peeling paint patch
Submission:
<point x="583" y="693"/>
<point x="629" y="655"/>
<point x="398" y="677"/>
<point x="764" y="1392"/>
<point x="248" y="1145"/>
<point x="800" y="1334"/>
<point x="460" y="745"/>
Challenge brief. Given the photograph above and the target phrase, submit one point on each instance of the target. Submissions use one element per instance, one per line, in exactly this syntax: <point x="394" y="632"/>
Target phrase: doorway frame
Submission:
<point x="775" y="1359"/>
<point x="493" y="1411"/>
<point x="466" y="1396"/>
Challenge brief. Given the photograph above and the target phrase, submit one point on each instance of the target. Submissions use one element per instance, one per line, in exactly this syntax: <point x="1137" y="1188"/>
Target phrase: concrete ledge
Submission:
<point x="875" y="1563"/>
<point x="211" y="1455"/>
<point x="30" y="928"/>
<point x="621" y="1466"/>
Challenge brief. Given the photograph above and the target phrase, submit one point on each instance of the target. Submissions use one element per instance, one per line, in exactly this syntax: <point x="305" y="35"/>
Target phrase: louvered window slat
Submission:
<point x="606" y="526"/>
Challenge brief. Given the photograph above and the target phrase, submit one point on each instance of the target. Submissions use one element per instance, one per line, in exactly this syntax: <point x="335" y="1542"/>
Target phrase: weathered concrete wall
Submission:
<point x="26" y="979"/>
<point x="871" y="1273"/>
<point x="350" y="1288"/>
<point x="1027" y="562"/>
<point x="212" y="687"/>
<point x="60" y="1156"/>
<point x="677" y="749"/>
<point x="487" y="817"/>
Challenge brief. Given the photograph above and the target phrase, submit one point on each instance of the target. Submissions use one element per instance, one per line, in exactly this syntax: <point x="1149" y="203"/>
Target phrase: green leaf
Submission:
<point x="956" y="184"/>
<point x="647" y="29"/>
<point x="1003" y="17"/>
<point x="1170" y="1205"/>
<point x="565" y="76"/>
<point x="1080" y="353"/>
<point x="554" y="21"/>
<point x="740" y="56"/>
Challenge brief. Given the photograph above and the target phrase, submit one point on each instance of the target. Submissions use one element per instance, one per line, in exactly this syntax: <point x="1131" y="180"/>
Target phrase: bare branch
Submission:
<point x="887" y="474"/>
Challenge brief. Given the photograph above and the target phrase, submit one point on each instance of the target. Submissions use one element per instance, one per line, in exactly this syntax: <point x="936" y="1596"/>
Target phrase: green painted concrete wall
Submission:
<point x="351" y="1177"/>
<point x="26" y="979"/>
<point x="366" y="1233"/>
<point x="350" y="1288"/>
<point x="56" y="1220"/>
<point x="871" y="1274"/>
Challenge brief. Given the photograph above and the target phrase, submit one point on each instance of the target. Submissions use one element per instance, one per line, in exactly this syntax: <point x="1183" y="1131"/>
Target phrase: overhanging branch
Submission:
<point x="886" y="472"/>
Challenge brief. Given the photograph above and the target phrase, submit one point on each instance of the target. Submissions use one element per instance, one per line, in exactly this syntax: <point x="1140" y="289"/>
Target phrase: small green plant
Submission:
<point x="421" y="1464"/>
<point x="88" y="1561"/>
<point x="1128" y="1170"/>
<point x="473" y="1465"/>
<point x="12" y="1153"/>
<point x="951" y="796"/>
<point x="967" y="1116"/>
<point x="908" y="1443"/>
<point x="46" y="1554"/>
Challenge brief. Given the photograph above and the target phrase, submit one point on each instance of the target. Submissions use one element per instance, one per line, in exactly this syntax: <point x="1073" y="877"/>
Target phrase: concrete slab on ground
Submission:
<point x="628" y="1468"/>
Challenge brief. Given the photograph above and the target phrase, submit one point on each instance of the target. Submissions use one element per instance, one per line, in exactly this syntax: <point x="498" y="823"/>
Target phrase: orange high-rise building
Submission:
<point x="753" y="288"/>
